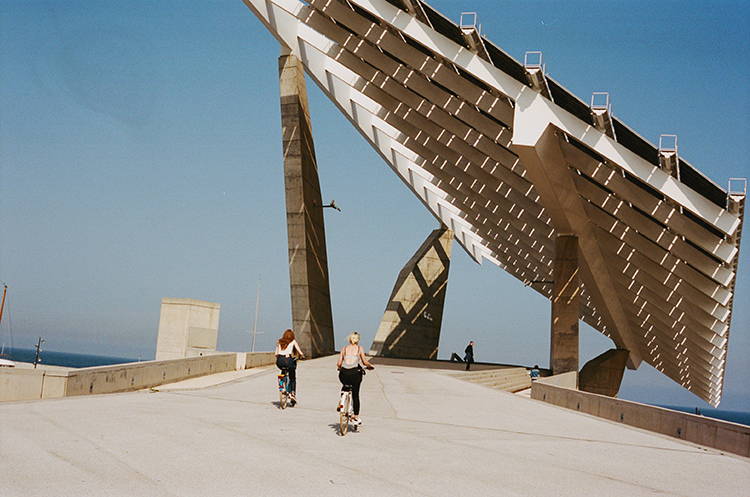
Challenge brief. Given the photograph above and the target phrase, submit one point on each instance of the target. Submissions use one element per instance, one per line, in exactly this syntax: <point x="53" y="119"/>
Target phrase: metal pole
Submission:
<point x="2" y="304"/>
<point x="38" y="351"/>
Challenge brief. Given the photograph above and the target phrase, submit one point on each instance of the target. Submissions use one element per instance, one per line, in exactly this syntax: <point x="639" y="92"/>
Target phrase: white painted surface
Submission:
<point x="424" y="434"/>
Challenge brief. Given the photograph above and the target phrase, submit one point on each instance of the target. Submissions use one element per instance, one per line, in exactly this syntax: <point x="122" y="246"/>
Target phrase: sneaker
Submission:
<point x="356" y="421"/>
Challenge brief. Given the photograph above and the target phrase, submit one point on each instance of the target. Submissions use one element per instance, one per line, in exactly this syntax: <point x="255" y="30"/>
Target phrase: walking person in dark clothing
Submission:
<point x="469" y="357"/>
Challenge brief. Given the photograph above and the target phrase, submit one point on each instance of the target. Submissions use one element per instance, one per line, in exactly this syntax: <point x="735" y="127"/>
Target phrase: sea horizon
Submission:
<point x="66" y="359"/>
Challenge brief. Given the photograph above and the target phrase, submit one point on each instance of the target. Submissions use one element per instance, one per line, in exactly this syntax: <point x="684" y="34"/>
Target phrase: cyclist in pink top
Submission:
<point x="350" y="364"/>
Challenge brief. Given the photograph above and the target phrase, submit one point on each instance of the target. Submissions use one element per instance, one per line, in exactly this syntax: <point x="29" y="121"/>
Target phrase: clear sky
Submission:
<point x="140" y="158"/>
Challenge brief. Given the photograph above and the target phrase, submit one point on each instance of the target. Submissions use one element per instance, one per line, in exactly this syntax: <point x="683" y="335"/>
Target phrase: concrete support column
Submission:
<point x="411" y="324"/>
<point x="308" y="261"/>
<point x="566" y="306"/>
<point x="554" y="180"/>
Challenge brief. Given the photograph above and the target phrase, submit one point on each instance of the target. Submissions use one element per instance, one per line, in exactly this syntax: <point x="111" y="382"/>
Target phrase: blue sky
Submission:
<point x="140" y="158"/>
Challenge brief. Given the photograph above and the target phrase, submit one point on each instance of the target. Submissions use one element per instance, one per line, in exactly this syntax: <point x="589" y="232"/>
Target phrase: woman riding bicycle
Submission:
<point x="351" y="360"/>
<point x="286" y="347"/>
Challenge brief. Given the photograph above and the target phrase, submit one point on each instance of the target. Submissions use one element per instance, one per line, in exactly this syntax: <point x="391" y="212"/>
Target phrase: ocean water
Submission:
<point x="66" y="359"/>
<point x="740" y="417"/>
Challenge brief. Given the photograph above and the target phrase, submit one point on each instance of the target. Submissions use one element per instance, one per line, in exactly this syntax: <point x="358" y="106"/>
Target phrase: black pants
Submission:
<point x="469" y="359"/>
<point x="352" y="377"/>
<point x="288" y="363"/>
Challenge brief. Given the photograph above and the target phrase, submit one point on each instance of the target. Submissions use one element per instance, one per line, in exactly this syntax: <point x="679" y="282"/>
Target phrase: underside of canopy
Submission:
<point x="507" y="158"/>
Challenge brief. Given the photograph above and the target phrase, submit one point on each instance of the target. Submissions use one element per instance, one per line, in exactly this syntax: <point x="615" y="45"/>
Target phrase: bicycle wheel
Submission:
<point x="344" y="415"/>
<point x="283" y="396"/>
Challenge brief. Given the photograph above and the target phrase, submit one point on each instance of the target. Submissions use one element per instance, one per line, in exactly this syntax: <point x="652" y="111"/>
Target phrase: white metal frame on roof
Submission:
<point x="450" y="124"/>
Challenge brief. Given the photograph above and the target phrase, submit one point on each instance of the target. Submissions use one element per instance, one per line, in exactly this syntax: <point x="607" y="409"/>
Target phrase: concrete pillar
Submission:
<point x="547" y="167"/>
<point x="566" y="293"/>
<point x="187" y="328"/>
<point x="308" y="261"/>
<point x="410" y="327"/>
<point x="603" y="373"/>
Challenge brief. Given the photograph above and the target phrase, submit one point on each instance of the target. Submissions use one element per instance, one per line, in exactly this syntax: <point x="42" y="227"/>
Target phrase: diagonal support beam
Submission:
<point x="548" y="170"/>
<point x="411" y="324"/>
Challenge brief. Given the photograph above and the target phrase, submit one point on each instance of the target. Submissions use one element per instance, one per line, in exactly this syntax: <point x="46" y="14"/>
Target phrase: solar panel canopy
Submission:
<point x="508" y="159"/>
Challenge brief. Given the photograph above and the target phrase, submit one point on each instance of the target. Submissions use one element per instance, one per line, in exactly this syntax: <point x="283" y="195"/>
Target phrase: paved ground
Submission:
<point x="425" y="434"/>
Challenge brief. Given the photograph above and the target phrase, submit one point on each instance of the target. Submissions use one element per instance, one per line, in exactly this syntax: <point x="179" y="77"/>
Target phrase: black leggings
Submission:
<point x="352" y="377"/>
<point x="288" y="363"/>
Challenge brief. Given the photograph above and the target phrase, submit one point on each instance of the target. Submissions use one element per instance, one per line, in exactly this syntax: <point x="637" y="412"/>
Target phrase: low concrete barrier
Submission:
<point x="722" y="435"/>
<point x="138" y="375"/>
<point x="508" y="379"/>
<point x="31" y="384"/>
<point x="437" y="364"/>
<point x="258" y="359"/>
<point x="565" y="380"/>
<point x="21" y="384"/>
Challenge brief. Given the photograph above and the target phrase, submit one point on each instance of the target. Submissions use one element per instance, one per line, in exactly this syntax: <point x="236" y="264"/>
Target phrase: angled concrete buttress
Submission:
<point x="410" y="327"/>
<point x="603" y="373"/>
<point x="308" y="261"/>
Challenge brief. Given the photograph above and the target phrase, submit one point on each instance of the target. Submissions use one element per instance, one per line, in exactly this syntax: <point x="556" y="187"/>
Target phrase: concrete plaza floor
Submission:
<point x="424" y="434"/>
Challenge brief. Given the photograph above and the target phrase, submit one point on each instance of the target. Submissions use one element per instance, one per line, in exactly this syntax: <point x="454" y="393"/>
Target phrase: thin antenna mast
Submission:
<point x="255" y="323"/>
<point x="2" y="304"/>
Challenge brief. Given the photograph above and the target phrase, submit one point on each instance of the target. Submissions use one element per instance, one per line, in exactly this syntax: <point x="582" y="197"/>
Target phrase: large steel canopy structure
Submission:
<point x="508" y="159"/>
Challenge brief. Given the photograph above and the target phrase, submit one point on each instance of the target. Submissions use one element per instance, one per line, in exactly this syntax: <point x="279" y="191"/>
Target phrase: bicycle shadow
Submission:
<point x="335" y="428"/>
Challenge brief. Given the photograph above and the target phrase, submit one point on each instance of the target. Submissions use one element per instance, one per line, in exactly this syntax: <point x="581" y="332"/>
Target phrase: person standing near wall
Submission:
<point x="469" y="354"/>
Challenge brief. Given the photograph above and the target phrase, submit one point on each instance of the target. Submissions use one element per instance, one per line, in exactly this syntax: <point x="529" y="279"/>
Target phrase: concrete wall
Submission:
<point x="138" y="375"/>
<point x="31" y="384"/>
<point x="22" y="384"/>
<point x="438" y="364"/>
<point x="257" y="359"/>
<point x="187" y="327"/>
<point x="565" y="380"/>
<point x="722" y="435"/>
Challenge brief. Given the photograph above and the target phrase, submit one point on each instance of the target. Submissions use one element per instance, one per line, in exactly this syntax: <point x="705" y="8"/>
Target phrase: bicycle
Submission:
<point x="285" y="399"/>
<point x="346" y="414"/>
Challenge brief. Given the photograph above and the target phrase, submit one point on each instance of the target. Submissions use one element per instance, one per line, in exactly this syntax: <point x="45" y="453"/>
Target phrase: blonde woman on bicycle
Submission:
<point x="351" y="360"/>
